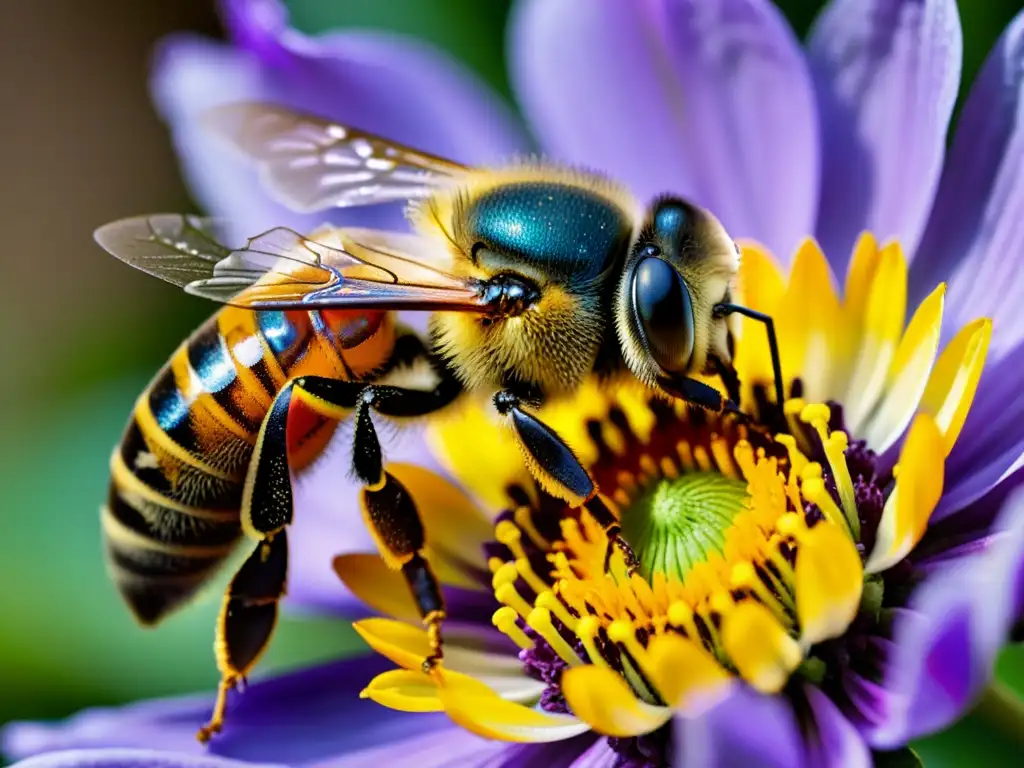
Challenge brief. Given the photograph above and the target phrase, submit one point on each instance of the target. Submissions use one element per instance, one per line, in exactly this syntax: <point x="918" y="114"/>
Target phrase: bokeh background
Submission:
<point x="81" y="334"/>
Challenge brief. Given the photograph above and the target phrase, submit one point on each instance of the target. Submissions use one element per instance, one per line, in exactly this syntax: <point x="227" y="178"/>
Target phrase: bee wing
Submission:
<point x="282" y="269"/>
<point x="311" y="164"/>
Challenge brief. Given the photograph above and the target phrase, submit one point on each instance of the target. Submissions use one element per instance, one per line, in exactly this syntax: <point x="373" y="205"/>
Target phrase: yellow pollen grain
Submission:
<point x="720" y="450"/>
<point x="525" y="569"/>
<point x="506" y="594"/>
<point x="505" y="620"/>
<point x="540" y="620"/>
<point x="547" y="599"/>
<point x="586" y="631"/>
<point x="524" y="519"/>
<point x="700" y="455"/>
<point x="685" y="453"/>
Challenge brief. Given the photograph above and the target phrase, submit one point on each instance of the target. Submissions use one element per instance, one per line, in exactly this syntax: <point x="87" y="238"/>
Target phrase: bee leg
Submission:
<point x="560" y="472"/>
<point x="388" y="508"/>
<point x="729" y="378"/>
<point x="247" y="619"/>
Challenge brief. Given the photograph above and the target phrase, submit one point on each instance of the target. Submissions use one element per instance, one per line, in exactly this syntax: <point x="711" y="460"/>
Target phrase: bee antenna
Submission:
<point x="724" y="310"/>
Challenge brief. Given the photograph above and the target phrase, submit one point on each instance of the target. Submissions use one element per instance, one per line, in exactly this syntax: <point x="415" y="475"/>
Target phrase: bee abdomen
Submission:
<point x="159" y="551"/>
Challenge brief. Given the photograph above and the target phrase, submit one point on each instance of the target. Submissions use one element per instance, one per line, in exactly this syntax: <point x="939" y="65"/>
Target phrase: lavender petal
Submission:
<point x="886" y="74"/>
<point x="131" y="758"/>
<point x="946" y="643"/>
<point x="976" y="231"/>
<point x="708" y="100"/>
<point x="834" y="742"/>
<point x="297" y="718"/>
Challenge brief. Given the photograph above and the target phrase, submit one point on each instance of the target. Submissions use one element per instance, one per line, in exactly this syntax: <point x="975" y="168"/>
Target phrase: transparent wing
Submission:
<point x="311" y="164"/>
<point x="282" y="269"/>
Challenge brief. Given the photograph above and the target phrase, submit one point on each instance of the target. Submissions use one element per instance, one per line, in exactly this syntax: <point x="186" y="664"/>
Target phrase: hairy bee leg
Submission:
<point x="388" y="508"/>
<point x="562" y="474"/>
<point x="730" y="380"/>
<point x="247" y="619"/>
<point x="722" y="310"/>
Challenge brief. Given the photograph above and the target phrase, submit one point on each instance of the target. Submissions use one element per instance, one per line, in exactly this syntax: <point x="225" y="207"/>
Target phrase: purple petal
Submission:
<point x="600" y="755"/>
<point x="834" y="741"/>
<point x="946" y="644"/>
<point x="992" y="441"/>
<point x="747" y="728"/>
<point x="130" y="758"/>
<point x="709" y="100"/>
<point x="297" y="718"/>
<point x="976" y="233"/>
<point x="869" y="701"/>
<point x="390" y="86"/>
<point x="886" y="74"/>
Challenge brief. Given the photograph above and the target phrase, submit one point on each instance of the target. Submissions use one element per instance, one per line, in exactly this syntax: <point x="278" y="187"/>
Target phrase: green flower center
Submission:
<point x="677" y="522"/>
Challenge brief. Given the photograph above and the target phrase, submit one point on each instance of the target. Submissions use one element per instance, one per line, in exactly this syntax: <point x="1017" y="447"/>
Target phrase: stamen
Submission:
<point x="680" y="615"/>
<point x="685" y="456"/>
<point x="623" y="634"/>
<point x="525" y="569"/>
<point x="508" y="533"/>
<point x="548" y="600"/>
<point x="587" y="630"/>
<point x="506" y="593"/>
<point x="524" y="519"/>
<point x="720" y="450"/>
<point x="835" y="445"/>
<point x="792" y="410"/>
<point x="814" y="491"/>
<point x="540" y="620"/>
<point x="505" y="619"/>
<point x="700" y="455"/>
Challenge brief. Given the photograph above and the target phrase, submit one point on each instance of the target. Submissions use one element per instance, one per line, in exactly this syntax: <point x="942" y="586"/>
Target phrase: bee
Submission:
<point x="536" y="276"/>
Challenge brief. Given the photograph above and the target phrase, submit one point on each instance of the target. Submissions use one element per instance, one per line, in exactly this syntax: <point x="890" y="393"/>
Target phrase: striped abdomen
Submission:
<point x="172" y="512"/>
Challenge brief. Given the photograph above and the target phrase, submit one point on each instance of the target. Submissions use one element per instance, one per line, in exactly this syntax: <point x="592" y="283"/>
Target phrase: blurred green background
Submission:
<point x="80" y="146"/>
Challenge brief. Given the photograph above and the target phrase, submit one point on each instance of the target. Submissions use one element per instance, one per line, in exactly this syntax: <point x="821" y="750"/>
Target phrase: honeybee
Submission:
<point x="536" y="276"/>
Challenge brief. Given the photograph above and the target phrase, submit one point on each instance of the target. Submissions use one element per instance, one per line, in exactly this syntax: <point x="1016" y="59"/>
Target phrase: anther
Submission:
<point x="505" y="619"/>
<point x="685" y="453"/>
<point x="506" y="594"/>
<point x="745" y="576"/>
<point x="816" y="493"/>
<point x="524" y="519"/>
<point x="525" y="570"/>
<point x="720" y="450"/>
<point x="700" y="455"/>
<point x="508" y="533"/>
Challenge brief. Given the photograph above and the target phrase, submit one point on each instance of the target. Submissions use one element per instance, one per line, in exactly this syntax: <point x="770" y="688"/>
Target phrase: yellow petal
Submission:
<point x="688" y="678"/>
<point x="860" y="275"/>
<point x="602" y="699"/>
<point x="919" y="481"/>
<point x="408" y="646"/>
<point x="908" y="374"/>
<point x="807" y="320"/>
<point x="405" y="690"/>
<point x="954" y="379"/>
<point x="382" y="588"/>
<point x="880" y="326"/>
<point x="490" y="716"/>
<point x="763" y="653"/>
<point x="829" y="579"/>
<point x="479" y="451"/>
<point x="455" y="527"/>
<point x="760" y="286"/>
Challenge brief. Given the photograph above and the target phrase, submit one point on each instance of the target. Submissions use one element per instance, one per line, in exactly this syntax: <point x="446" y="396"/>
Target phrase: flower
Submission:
<point x="777" y="558"/>
<point x="718" y="102"/>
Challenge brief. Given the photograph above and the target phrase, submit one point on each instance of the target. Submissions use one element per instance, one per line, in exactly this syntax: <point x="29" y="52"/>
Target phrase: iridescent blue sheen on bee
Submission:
<point x="566" y="228"/>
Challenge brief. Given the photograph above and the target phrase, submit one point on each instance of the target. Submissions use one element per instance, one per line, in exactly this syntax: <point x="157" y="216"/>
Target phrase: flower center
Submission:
<point x="677" y="522"/>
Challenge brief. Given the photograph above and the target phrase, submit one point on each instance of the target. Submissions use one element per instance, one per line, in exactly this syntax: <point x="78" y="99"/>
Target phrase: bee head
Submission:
<point x="680" y="266"/>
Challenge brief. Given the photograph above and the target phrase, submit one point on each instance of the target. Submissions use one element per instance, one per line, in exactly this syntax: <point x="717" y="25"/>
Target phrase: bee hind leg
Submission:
<point x="388" y="508"/>
<point x="247" y="619"/>
<point x="561" y="473"/>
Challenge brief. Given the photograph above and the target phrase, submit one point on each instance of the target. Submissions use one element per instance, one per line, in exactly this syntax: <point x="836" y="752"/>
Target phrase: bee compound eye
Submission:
<point x="664" y="313"/>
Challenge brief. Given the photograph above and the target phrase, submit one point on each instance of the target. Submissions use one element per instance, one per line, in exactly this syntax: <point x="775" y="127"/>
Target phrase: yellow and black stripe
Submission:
<point x="173" y="509"/>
